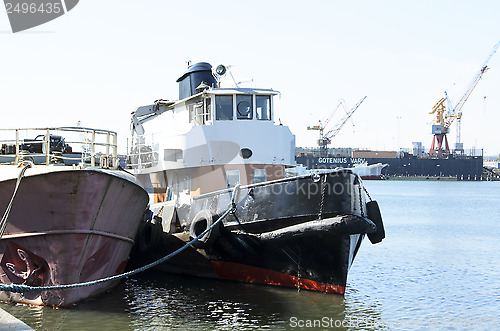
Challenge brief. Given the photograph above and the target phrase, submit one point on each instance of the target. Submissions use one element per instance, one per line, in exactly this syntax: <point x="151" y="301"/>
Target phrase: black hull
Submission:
<point x="463" y="168"/>
<point x="319" y="264"/>
<point x="301" y="232"/>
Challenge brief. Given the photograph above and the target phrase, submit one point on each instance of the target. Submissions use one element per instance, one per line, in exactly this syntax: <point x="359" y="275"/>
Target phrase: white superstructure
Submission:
<point x="210" y="139"/>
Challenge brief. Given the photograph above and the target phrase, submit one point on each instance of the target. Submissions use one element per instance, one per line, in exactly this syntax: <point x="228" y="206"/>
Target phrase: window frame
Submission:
<point x="242" y="97"/>
<point x="269" y="110"/>
<point x="217" y="118"/>
<point x="199" y="112"/>
<point x="263" y="174"/>
<point x="230" y="174"/>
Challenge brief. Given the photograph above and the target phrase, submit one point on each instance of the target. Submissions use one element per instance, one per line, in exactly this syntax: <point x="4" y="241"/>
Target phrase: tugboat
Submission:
<point x="68" y="216"/>
<point x="219" y="148"/>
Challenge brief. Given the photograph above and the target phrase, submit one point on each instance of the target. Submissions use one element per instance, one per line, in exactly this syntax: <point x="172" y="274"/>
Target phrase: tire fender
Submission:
<point x="374" y="215"/>
<point x="202" y="221"/>
<point x="149" y="236"/>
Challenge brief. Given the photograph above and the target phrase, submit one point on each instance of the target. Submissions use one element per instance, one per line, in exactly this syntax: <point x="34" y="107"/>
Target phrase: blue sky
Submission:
<point x="103" y="59"/>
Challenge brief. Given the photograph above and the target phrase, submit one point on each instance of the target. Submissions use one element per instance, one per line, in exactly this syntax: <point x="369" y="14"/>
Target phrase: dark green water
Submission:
<point x="438" y="268"/>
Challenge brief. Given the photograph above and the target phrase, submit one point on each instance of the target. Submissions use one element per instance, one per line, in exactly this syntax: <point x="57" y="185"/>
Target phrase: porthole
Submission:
<point x="246" y="153"/>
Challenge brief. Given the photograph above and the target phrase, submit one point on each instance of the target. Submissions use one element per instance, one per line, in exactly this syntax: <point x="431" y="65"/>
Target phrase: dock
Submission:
<point x="9" y="322"/>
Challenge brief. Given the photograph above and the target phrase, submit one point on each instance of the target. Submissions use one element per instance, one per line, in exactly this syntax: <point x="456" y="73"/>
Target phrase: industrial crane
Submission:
<point x="325" y="138"/>
<point x="445" y="115"/>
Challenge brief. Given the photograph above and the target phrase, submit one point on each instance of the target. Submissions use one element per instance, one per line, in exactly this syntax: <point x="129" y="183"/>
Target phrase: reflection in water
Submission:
<point x="155" y="301"/>
<point x="190" y="303"/>
<point x="361" y="311"/>
<point x="194" y="304"/>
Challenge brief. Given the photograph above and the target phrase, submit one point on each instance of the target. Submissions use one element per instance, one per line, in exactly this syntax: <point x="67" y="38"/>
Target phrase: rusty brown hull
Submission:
<point x="67" y="227"/>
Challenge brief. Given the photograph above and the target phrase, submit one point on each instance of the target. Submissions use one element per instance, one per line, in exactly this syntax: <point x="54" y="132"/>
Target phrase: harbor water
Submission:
<point x="438" y="268"/>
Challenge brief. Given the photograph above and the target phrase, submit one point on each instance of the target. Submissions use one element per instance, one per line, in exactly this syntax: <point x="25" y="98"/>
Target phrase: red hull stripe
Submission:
<point x="249" y="274"/>
<point x="373" y="177"/>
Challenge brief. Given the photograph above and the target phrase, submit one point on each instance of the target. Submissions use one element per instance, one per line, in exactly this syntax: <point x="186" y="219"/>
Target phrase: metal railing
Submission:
<point x="143" y="152"/>
<point x="60" y="145"/>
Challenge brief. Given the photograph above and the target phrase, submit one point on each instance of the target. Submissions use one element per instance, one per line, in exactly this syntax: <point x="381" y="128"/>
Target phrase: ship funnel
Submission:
<point x="197" y="74"/>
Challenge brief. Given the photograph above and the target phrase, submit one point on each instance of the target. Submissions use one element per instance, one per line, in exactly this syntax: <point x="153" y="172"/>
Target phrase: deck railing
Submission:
<point x="143" y="152"/>
<point x="60" y="145"/>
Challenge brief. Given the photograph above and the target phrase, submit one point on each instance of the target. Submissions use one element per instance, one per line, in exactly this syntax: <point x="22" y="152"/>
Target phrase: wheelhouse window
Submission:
<point x="207" y="115"/>
<point x="200" y="113"/>
<point x="263" y="107"/>
<point x="224" y="107"/>
<point x="244" y="107"/>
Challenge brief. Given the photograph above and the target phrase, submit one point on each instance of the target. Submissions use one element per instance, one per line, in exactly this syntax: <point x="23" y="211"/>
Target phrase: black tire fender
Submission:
<point x="374" y="215"/>
<point x="202" y="221"/>
<point x="149" y="236"/>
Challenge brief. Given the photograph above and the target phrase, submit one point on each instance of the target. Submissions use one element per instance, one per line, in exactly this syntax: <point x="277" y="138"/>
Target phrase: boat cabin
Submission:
<point x="210" y="139"/>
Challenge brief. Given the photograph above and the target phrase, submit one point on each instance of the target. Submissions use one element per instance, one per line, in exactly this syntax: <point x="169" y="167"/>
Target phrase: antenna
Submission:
<point x="245" y="81"/>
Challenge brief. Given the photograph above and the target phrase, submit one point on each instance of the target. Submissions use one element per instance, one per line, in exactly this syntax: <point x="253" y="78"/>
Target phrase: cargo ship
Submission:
<point x="416" y="163"/>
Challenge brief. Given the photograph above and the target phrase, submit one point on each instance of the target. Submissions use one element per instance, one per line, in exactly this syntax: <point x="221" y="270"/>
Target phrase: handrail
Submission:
<point x="143" y="152"/>
<point x="100" y="149"/>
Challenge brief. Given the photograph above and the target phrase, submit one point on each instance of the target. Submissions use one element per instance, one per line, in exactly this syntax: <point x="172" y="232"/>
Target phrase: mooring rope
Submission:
<point x="3" y="222"/>
<point x="25" y="288"/>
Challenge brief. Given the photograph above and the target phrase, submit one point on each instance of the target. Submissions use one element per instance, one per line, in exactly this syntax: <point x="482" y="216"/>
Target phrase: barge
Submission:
<point x="68" y="216"/>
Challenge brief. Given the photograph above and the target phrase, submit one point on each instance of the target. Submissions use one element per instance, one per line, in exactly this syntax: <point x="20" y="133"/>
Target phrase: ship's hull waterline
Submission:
<point x="67" y="226"/>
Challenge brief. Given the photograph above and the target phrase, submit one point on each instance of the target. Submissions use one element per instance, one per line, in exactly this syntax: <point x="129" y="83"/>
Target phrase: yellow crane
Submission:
<point x="445" y="115"/>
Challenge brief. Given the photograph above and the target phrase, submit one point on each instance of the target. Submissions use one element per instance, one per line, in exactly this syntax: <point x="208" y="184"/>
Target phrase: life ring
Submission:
<point x="149" y="236"/>
<point x="201" y="222"/>
<point x="374" y="215"/>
